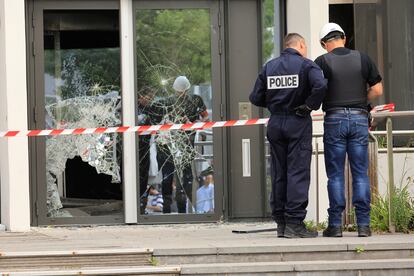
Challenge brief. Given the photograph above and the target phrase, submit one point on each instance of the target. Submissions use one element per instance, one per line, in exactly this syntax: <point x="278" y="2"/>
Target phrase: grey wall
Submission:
<point x="385" y="31"/>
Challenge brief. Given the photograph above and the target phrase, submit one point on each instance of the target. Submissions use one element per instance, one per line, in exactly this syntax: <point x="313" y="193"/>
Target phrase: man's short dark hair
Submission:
<point x="292" y="39"/>
<point x="333" y="36"/>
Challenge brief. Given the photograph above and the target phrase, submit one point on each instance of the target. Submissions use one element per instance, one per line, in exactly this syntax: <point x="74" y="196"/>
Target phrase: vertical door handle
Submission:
<point x="246" y="158"/>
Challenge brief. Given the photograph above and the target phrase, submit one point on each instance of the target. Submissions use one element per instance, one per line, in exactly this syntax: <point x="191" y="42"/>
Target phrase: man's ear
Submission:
<point x="344" y="40"/>
<point x="323" y="44"/>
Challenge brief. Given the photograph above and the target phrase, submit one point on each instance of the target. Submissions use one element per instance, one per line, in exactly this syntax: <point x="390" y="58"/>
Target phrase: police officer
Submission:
<point x="181" y="107"/>
<point x="290" y="87"/>
<point x="349" y="74"/>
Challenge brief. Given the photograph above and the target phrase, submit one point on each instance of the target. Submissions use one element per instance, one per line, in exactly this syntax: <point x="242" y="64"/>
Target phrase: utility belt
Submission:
<point x="278" y="111"/>
<point x="284" y="113"/>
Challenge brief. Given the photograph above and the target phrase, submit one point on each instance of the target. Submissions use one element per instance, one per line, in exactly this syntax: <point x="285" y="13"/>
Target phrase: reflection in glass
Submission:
<point x="174" y="86"/>
<point x="268" y="44"/>
<point x="82" y="79"/>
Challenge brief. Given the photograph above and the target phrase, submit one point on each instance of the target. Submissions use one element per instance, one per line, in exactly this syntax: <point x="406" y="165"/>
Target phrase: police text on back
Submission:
<point x="282" y="82"/>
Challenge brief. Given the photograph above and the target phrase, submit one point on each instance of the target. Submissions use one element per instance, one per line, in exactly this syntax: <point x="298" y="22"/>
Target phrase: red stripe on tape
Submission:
<point x="122" y="129"/>
<point x="56" y="132"/>
<point x="143" y="128"/>
<point x="100" y="130"/>
<point x="78" y="130"/>
<point x="186" y="126"/>
<point x="230" y="123"/>
<point x="252" y="121"/>
<point x="208" y="125"/>
<point x="11" y="133"/>
<point x="166" y="127"/>
<point x="33" y="133"/>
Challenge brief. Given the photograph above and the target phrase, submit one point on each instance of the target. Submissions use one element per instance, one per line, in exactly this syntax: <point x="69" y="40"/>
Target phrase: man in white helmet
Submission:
<point x="353" y="80"/>
<point x="180" y="108"/>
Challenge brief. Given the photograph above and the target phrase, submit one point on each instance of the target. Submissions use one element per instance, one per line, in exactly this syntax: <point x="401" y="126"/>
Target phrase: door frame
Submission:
<point x="37" y="147"/>
<point x="218" y="85"/>
<point x="36" y="103"/>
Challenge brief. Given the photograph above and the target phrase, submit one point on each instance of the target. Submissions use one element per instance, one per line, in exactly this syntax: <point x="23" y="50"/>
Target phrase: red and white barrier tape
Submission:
<point x="141" y="130"/>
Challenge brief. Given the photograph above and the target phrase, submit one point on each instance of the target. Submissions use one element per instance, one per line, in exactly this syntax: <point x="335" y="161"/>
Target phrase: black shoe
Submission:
<point x="364" y="231"/>
<point x="281" y="230"/>
<point x="333" y="232"/>
<point x="298" y="231"/>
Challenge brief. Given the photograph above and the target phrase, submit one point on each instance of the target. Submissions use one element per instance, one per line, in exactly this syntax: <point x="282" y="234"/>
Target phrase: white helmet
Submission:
<point x="181" y="84"/>
<point x="329" y="28"/>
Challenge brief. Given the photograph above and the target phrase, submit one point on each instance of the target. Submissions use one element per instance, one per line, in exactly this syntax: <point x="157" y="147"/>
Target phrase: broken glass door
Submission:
<point x="81" y="79"/>
<point x="175" y="85"/>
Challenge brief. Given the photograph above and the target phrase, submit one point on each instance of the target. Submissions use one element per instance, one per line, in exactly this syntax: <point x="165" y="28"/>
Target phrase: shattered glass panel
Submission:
<point x="174" y="86"/>
<point x="82" y="89"/>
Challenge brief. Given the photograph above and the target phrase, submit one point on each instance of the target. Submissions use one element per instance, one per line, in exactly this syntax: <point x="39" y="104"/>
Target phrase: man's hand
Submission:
<point x="303" y="110"/>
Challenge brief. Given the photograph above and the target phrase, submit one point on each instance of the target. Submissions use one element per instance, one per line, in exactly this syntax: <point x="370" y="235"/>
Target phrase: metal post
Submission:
<point x="390" y="173"/>
<point x="317" y="178"/>
<point x="128" y="111"/>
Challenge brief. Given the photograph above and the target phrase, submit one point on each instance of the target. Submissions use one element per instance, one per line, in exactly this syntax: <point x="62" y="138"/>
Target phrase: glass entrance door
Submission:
<point x="77" y="83"/>
<point x="178" y="81"/>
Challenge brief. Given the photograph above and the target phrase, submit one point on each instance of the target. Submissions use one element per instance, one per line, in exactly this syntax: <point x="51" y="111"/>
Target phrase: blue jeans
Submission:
<point x="347" y="134"/>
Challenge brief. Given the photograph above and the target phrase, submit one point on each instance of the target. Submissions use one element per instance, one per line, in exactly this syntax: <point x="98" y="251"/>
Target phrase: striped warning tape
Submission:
<point x="142" y="130"/>
<point x="139" y="129"/>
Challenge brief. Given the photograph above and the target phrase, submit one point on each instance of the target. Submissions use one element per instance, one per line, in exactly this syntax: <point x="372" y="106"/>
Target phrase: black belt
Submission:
<point x="354" y="111"/>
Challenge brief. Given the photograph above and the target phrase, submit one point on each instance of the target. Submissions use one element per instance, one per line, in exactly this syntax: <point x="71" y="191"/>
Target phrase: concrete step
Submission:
<point x="285" y="253"/>
<point x="381" y="267"/>
<point x="74" y="259"/>
<point x="140" y="270"/>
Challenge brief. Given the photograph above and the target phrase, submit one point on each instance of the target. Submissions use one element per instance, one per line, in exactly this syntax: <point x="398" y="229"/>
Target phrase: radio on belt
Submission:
<point x="282" y="82"/>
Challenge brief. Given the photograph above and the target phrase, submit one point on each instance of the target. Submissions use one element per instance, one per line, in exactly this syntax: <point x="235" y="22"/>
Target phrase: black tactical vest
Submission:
<point x="346" y="87"/>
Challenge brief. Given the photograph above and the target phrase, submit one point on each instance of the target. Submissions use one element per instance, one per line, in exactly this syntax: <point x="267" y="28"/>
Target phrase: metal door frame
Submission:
<point x="217" y="77"/>
<point x="37" y="147"/>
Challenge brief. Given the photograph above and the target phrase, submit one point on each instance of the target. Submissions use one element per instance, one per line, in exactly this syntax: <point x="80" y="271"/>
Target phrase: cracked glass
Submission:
<point x="82" y="89"/>
<point x="173" y="54"/>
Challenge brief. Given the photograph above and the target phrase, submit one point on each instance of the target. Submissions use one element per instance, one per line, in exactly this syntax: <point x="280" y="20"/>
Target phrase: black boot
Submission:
<point x="299" y="231"/>
<point x="166" y="209"/>
<point x="281" y="230"/>
<point x="364" y="231"/>
<point x="333" y="231"/>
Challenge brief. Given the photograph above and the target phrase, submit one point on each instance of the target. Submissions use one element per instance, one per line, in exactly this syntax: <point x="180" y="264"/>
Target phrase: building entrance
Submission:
<point x="178" y="80"/>
<point x="77" y="84"/>
<point x="76" y="81"/>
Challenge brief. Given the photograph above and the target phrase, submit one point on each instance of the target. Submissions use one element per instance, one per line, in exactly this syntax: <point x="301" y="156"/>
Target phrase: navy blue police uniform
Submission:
<point x="283" y="85"/>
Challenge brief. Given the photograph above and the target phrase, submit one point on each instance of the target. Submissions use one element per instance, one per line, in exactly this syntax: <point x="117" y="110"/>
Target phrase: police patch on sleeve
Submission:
<point x="282" y="82"/>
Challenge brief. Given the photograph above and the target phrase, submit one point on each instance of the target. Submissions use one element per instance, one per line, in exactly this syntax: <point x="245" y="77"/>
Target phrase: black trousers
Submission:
<point x="144" y="163"/>
<point x="290" y="139"/>
<point x="183" y="189"/>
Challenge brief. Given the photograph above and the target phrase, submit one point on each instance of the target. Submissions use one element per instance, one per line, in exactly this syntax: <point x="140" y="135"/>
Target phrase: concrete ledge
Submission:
<point x="306" y="248"/>
<point x="153" y="270"/>
<point x="354" y="265"/>
<point x="236" y="268"/>
<point x="382" y="246"/>
<point x="184" y="251"/>
<point x="311" y="266"/>
<point x="76" y="252"/>
<point x="249" y="250"/>
<point x="283" y="249"/>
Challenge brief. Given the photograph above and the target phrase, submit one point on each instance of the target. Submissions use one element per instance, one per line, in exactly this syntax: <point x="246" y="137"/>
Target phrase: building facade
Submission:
<point x="100" y="63"/>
